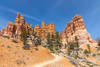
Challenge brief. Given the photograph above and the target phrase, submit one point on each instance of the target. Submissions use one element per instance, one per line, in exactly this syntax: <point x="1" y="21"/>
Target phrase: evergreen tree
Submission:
<point x="73" y="48"/>
<point x="54" y="42"/>
<point x="35" y="39"/>
<point x="24" y="37"/>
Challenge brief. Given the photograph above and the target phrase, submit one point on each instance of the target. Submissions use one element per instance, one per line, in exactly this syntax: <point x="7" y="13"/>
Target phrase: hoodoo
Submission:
<point x="76" y="28"/>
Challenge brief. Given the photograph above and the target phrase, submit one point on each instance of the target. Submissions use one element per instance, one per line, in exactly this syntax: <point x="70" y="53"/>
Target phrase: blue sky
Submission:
<point x="59" y="12"/>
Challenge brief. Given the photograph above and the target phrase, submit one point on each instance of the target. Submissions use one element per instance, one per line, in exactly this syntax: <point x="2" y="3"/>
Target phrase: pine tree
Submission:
<point x="24" y="37"/>
<point x="35" y="39"/>
<point x="54" y="42"/>
<point x="73" y="48"/>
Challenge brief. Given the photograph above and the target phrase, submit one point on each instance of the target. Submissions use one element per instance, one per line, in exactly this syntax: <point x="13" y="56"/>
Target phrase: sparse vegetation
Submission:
<point x="36" y="49"/>
<point x="73" y="48"/>
<point x="15" y="41"/>
<point x="89" y="49"/>
<point x="98" y="44"/>
<point x="94" y="55"/>
<point x="54" y="42"/>
<point x="86" y="52"/>
<point x="24" y="37"/>
<point x="35" y="39"/>
<point x="6" y="37"/>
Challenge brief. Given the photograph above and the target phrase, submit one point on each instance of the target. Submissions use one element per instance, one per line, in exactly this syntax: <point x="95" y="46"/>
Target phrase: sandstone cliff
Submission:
<point x="76" y="28"/>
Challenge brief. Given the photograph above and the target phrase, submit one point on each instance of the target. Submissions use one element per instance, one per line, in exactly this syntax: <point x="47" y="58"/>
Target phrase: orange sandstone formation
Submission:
<point x="20" y="25"/>
<point x="76" y="28"/>
<point x="44" y="30"/>
<point x="15" y="29"/>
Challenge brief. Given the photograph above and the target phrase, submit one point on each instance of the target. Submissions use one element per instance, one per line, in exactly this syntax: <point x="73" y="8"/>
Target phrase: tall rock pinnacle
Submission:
<point x="75" y="28"/>
<point x="18" y="15"/>
<point x="16" y="28"/>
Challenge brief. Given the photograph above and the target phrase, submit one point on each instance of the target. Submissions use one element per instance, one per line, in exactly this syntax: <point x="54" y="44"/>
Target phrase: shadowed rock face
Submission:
<point x="75" y="28"/>
<point x="16" y="28"/>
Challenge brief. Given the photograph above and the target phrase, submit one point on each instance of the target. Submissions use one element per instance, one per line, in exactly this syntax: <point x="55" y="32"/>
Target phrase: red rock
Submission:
<point x="44" y="30"/>
<point x="16" y="28"/>
<point x="75" y="28"/>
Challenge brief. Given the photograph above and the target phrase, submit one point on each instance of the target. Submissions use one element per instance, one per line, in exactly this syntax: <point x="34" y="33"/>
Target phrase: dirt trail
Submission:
<point x="56" y="59"/>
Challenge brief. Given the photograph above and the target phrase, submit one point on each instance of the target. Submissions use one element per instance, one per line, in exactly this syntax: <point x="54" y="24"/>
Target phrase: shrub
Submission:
<point x="98" y="54"/>
<point x="94" y="55"/>
<point x="24" y="37"/>
<point x="86" y="52"/>
<point x="69" y="50"/>
<point x="89" y="49"/>
<point x="99" y="43"/>
<point x="6" y="37"/>
<point x="54" y="42"/>
<point x="26" y="46"/>
<point x="76" y="56"/>
<point x="15" y="41"/>
<point x="25" y="41"/>
<point x="36" y="49"/>
<point x="35" y="39"/>
<point x="51" y="48"/>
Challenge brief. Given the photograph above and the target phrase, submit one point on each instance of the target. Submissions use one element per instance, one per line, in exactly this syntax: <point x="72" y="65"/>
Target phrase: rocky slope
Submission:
<point x="76" y="28"/>
<point x="12" y="54"/>
<point x="74" y="32"/>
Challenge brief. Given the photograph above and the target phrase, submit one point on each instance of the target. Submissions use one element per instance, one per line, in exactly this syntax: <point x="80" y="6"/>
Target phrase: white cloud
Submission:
<point x="3" y="22"/>
<point x="15" y="12"/>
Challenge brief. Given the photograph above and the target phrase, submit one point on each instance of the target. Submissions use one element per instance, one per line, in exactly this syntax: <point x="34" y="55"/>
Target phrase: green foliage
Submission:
<point x="98" y="54"/>
<point x="76" y="56"/>
<point x="94" y="55"/>
<point x="15" y="41"/>
<point x="54" y="42"/>
<point x="6" y="37"/>
<point x="88" y="46"/>
<point x="35" y="40"/>
<point x="38" y="42"/>
<point x="24" y="37"/>
<point x="73" y="48"/>
<point x="86" y="52"/>
<point x="25" y="41"/>
<point x="69" y="50"/>
<point x="51" y="48"/>
<point x="36" y="49"/>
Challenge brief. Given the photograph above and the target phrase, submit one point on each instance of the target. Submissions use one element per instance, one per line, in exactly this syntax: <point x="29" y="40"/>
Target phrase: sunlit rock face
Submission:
<point x="76" y="28"/>
<point x="44" y="30"/>
<point x="15" y="29"/>
<point x="20" y="25"/>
